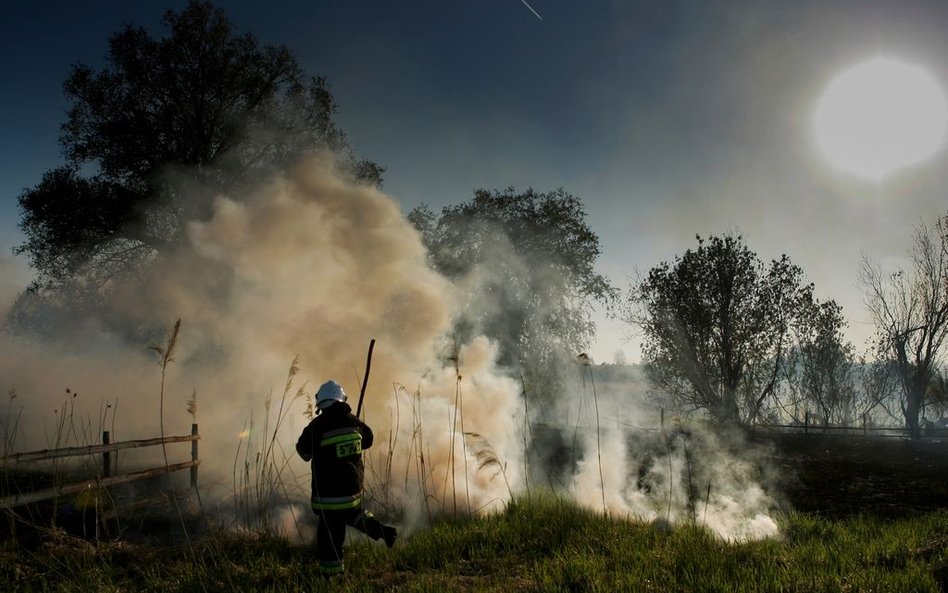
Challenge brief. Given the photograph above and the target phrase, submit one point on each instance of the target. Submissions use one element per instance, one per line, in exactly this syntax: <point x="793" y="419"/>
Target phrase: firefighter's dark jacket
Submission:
<point x="333" y="444"/>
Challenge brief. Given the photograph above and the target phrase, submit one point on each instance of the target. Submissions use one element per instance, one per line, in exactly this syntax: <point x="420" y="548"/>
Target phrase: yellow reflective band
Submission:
<point x="336" y="506"/>
<point x="362" y="518"/>
<point x="352" y="436"/>
<point x="330" y="567"/>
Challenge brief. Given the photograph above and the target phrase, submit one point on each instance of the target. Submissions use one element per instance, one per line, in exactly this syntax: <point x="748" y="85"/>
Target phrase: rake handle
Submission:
<point x="365" y="379"/>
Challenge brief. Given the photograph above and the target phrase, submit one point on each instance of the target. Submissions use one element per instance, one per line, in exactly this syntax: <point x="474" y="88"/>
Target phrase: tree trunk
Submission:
<point x="913" y="408"/>
<point x="727" y="411"/>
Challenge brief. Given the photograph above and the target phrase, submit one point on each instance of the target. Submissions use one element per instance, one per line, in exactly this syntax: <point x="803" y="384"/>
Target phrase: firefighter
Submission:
<point x="333" y="444"/>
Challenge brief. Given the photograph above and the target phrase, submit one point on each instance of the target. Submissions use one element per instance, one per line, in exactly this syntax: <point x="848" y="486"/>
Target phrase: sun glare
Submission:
<point x="880" y="116"/>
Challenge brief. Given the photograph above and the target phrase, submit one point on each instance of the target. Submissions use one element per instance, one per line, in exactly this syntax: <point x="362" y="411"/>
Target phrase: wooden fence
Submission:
<point x="809" y="426"/>
<point x="106" y="479"/>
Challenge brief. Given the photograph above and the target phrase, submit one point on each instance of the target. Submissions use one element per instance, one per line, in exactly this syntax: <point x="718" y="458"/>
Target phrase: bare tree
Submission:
<point x="910" y="312"/>
<point x="826" y="364"/>
<point x="879" y="391"/>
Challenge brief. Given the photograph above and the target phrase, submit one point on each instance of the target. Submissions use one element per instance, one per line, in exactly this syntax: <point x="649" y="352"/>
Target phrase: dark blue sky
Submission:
<point x="667" y="118"/>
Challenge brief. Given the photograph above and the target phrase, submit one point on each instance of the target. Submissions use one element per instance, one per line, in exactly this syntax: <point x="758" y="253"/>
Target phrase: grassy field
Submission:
<point x="536" y="545"/>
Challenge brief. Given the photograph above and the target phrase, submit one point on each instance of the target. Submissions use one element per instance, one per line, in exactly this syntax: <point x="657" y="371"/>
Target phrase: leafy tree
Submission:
<point x="526" y="263"/>
<point x="910" y="312"/>
<point x="717" y="326"/>
<point x="202" y="108"/>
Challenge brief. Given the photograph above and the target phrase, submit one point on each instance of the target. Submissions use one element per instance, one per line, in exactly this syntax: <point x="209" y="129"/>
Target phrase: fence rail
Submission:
<point x="47" y="454"/>
<point x="879" y="431"/>
<point x="106" y="479"/>
<point x="799" y="428"/>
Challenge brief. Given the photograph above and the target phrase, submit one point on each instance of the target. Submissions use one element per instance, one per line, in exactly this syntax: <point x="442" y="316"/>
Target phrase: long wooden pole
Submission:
<point x="365" y="379"/>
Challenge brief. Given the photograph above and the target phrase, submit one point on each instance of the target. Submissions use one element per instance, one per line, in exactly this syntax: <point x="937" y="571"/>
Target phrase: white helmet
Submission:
<point x="329" y="393"/>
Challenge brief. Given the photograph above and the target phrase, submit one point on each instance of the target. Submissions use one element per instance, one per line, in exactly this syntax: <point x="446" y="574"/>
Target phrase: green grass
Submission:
<point x="536" y="545"/>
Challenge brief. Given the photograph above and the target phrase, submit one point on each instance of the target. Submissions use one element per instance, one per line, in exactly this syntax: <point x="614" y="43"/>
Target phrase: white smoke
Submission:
<point x="453" y="440"/>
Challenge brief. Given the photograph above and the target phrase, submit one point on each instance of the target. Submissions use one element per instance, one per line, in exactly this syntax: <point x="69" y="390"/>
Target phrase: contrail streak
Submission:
<point x="531" y="9"/>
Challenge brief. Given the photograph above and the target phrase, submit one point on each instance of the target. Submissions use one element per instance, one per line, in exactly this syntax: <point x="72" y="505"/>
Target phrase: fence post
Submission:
<point x="194" y="455"/>
<point x="106" y="456"/>
<point x="865" y="428"/>
<point x="806" y="423"/>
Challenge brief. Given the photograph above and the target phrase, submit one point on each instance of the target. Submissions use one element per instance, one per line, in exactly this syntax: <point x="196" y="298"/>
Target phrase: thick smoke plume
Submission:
<point x="309" y="269"/>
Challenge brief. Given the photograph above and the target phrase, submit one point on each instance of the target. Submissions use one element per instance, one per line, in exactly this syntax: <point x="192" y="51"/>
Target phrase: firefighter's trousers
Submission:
<point x="331" y="534"/>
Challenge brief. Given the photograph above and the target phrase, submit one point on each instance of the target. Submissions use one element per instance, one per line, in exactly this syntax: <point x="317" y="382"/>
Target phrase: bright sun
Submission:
<point x="880" y="116"/>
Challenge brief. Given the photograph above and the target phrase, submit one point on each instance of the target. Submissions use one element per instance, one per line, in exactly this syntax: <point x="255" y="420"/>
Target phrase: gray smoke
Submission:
<point x="633" y="459"/>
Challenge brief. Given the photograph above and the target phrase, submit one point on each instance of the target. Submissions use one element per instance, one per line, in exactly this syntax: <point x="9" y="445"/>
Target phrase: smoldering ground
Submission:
<point x="619" y="448"/>
<point x="309" y="268"/>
